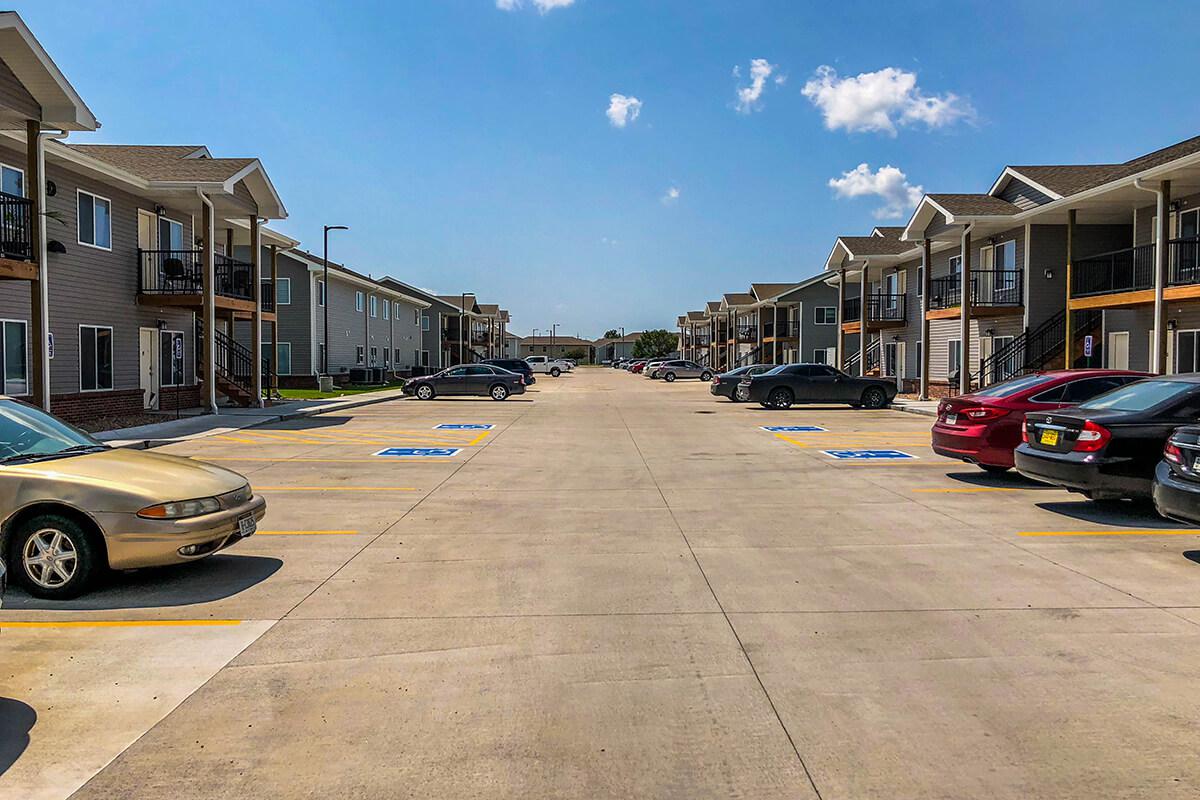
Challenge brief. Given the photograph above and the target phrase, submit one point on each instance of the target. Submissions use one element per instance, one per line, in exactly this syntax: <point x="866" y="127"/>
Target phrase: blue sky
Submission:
<point x="468" y="142"/>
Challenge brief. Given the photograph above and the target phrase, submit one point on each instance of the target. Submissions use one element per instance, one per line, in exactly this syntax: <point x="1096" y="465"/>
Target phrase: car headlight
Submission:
<point x="181" y="509"/>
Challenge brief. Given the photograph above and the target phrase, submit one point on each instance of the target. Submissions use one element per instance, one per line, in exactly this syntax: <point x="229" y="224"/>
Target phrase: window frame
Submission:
<point x="817" y="310"/>
<point x="320" y="293"/>
<point x="950" y="367"/>
<point x="25" y="350"/>
<point x="360" y="301"/>
<point x="79" y="228"/>
<point x="280" y="282"/>
<point x="955" y="264"/>
<point x="19" y="171"/>
<point x="424" y="322"/>
<point x="373" y="306"/>
<point x="387" y="310"/>
<point x="360" y="355"/>
<point x="278" y="350"/>
<point x="111" y="355"/>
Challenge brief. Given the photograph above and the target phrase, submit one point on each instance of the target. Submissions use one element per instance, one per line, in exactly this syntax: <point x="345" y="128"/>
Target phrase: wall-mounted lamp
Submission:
<point x="159" y="210"/>
<point x="1049" y="273"/>
<point x="1172" y="324"/>
<point x="1174" y="205"/>
<point x="990" y="332"/>
<point x="895" y="337"/>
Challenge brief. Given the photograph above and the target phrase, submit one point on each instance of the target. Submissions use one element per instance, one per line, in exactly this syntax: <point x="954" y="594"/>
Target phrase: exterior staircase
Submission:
<point x="852" y="360"/>
<point x="232" y="365"/>
<point x="1042" y="348"/>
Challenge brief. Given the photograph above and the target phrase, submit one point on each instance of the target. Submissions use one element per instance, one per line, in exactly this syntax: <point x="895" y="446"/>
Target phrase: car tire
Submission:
<point x="499" y="392"/>
<point x="874" y="398"/>
<point x="764" y="404"/>
<point x="669" y="377"/>
<point x="77" y="557"/>
<point x="425" y="392"/>
<point x="780" y="399"/>
<point x="706" y="376"/>
<point x="555" y="372"/>
<point x="994" y="469"/>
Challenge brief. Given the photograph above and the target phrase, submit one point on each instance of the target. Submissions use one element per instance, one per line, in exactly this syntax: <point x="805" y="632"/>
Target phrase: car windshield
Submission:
<point x="28" y="433"/>
<point x="1138" y="396"/>
<point x="1009" y="388"/>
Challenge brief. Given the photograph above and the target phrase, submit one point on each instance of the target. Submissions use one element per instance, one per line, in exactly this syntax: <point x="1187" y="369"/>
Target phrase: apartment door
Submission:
<point x="148" y="240"/>
<point x="1171" y="364"/>
<point x="148" y="365"/>
<point x="1187" y="353"/>
<point x="1116" y="353"/>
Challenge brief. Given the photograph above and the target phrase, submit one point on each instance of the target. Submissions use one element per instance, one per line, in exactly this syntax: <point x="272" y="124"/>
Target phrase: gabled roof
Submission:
<point x="489" y="309"/>
<point x="456" y="300"/>
<point x="737" y="299"/>
<point x="713" y="306"/>
<point x="765" y="291"/>
<point x="695" y="316"/>
<point x="888" y="231"/>
<point x="973" y="205"/>
<point x="22" y="54"/>
<point x="316" y="262"/>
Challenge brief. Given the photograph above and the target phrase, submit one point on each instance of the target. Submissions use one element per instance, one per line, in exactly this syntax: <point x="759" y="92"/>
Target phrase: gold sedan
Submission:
<point x="71" y="505"/>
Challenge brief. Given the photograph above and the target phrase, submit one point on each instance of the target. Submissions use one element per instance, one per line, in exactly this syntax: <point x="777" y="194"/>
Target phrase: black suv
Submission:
<point x="513" y="365"/>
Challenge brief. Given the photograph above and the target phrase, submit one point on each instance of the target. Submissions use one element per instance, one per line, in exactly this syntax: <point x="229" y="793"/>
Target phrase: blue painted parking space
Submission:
<point x="794" y="428"/>
<point x="419" y="452"/>
<point x="472" y="426"/>
<point x="867" y="455"/>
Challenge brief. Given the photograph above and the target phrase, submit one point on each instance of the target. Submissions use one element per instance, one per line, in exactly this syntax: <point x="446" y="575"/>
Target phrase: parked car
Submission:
<point x="784" y="385"/>
<point x="3" y="582"/>
<point x="1177" y="477"/>
<point x="651" y="368"/>
<point x="682" y="368"/>
<point x="1108" y="447"/>
<point x="482" y="380"/>
<point x="637" y="366"/>
<point x="550" y="366"/>
<point x="517" y="365"/>
<point x="984" y="427"/>
<point x="72" y="505"/>
<point x="728" y="384"/>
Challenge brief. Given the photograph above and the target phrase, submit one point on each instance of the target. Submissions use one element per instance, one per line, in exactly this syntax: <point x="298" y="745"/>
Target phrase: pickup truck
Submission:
<point x="553" y="366"/>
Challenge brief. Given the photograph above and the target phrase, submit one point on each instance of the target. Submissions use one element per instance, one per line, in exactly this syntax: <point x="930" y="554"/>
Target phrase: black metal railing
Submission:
<point x="1184" y="261"/>
<point x="852" y="309"/>
<point x="783" y="329"/>
<point x="747" y="333"/>
<point x="178" y="272"/>
<point x="1127" y="270"/>
<point x="851" y="365"/>
<point x="233" y="362"/>
<point x="989" y="287"/>
<point x="1034" y="349"/>
<point x="16" y="236"/>
<point x="882" y="307"/>
<point x="749" y="357"/>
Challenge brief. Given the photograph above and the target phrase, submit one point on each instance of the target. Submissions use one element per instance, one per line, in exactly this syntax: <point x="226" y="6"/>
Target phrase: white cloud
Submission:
<point x="671" y="196"/>
<point x="748" y="96"/>
<point x="623" y="110"/>
<point x="879" y="101"/>
<point x="900" y="197"/>
<point x="543" y="6"/>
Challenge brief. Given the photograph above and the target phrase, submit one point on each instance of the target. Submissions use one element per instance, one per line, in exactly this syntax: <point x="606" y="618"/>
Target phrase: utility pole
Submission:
<point x="553" y="326"/>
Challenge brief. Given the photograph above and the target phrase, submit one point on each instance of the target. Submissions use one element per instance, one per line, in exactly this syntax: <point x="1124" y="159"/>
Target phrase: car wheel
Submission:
<point x="54" y="557"/>
<point x="706" y="376"/>
<point x="764" y="404"/>
<point x="669" y="377"/>
<point x="780" y="398"/>
<point x="555" y="372"/>
<point x="874" y="397"/>
<point x="994" y="469"/>
<point x="424" y="392"/>
<point x="499" y="392"/>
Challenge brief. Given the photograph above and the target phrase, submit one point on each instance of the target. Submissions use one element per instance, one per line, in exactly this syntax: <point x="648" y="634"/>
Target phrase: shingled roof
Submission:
<point x="973" y="205"/>
<point x="762" y="291"/>
<point x="165" y="162"/>
<point x="739" y="299"/>
<point x="713" y="306"/>
<point x="860" y="246"/>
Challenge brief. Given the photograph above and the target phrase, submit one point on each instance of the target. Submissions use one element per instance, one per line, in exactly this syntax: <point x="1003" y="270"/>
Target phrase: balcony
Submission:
<point x="746" y="334"/>
<point x="1130" y="271"/>
<point x="883" y="310"/>
<point x="176" y="277"/>
<point x="784" y="329"/>
<point x="16" y="237"/>
<point x="480" y="338"/>
<point x="994" y="289"/>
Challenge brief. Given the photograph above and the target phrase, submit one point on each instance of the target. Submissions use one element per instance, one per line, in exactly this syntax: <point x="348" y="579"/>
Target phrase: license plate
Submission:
<point x="1049" y="438"/>
<point x="247" y="526"/>
<point x="951" y="419"/>
<point x="1196" y="465"/>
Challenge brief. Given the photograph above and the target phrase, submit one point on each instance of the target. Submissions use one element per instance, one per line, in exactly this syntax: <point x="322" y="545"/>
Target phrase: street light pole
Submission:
<point x="325" y="292"/>
<point x="553" y="325"/>
<point x="462" y="334"/>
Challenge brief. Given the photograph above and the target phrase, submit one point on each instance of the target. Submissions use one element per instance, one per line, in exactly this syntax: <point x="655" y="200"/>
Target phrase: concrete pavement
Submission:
<point x="623" y="589"/>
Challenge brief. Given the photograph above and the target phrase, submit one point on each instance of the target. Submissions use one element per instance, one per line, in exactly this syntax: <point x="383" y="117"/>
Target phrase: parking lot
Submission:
<point x="622" y="589"/>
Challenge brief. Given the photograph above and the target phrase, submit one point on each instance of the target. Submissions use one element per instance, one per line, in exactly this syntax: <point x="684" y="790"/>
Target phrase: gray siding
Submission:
<point x="1024" y="196"/>
<point x="942" y="331"/>
<point x="350" y="328"/>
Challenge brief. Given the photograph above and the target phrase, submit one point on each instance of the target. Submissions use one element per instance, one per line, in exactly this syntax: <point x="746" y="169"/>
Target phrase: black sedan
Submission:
<point x="517" y="365"/>
<point x="1107" y="448"/>
<point x="727" y="383"/>
<point x="482" y="380"/>
<point x="816" y="383"/>
<point x="1177" y="477"/>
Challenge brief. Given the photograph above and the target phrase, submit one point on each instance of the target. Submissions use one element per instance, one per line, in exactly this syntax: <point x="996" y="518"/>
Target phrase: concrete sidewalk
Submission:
<point x="927" y="408"/>
<point x="232" y="419"/>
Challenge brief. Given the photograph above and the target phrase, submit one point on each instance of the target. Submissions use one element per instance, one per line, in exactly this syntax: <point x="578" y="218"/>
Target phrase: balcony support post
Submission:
<point x="841" y="304"/>
<point x="964" y="316"/>
<point x="864" y="283"/>
<point x="208" y="368"/>
<point x="1071" y="218"/>
<point x="39" y="290"/>
<point x="926" y="281"/>
<point x="256" y="320"/>
<point x="1161" y="249"/>
<point x="275" y="324"/>
<point x="775" y="330"/>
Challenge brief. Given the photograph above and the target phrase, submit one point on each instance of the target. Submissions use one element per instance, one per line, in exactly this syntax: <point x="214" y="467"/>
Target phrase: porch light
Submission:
<point x="1049" y="273"/>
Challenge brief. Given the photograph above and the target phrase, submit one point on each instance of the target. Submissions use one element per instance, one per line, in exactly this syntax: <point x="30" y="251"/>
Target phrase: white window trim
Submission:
<point x="278" y="282"/>
<point x="359" y="301"/>
<point x="275" y="363"/>
<point x="360" y="355"/>
<point x="25" y="344"/>
<point x="387" y="310"/>
<point x="817" y="315"/>
<point x="322" y="294"/>
<point x="949" y="350"/>
<point x="112" y="341"/>
<point x="158" y="241"/>
<point x="79" y="230"/>
<point x="24" y="188"/>
<point x="182" y="370"/>
<point x="953" y="269"/>
<point x="373" y="305"/>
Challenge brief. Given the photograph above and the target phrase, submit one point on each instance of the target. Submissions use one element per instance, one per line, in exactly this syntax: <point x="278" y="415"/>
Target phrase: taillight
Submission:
<point x="1025" y="431"/>
<point x="1092" y="437"/>
<point x="1172" y="453"/>
<point x="983" y="413"/>
<point x="716" y="379"/>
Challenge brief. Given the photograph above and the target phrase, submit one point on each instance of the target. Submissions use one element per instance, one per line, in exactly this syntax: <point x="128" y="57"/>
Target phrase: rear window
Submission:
<point x="1016" y="385"/>
<point x="1139" y="396"/>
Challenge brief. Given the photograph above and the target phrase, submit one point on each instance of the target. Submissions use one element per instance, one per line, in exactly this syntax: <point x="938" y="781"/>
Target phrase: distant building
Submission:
<point x="616" y="348"/>
<point x="559" y="347"/>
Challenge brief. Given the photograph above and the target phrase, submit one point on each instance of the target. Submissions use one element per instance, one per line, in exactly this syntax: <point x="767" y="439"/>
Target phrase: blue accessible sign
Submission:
<point x="793" y="429"/>
<point x="419" y="452"/>
<point x="867" y="455"/>
<point x="451" y="426"/>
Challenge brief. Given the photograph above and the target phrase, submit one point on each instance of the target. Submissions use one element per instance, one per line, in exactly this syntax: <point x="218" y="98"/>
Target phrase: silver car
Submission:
<point x="681" y="368"/>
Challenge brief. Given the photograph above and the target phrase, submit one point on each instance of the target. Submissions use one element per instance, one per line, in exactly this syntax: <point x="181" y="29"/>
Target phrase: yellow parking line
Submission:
<point x="334" y="489"/>
<point x="1130" y="532"/>
<point x="482" y="435"/>
<point x="305" y="533"/>
<point x="125" y="623"/>
<point x="972" y="489"/>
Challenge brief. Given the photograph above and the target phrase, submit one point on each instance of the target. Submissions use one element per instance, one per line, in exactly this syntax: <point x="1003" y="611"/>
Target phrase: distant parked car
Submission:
<point x="1177" y="477"/>
<point x="637" y="366"/>
<point x="482" y="380"/>
<point x="71" y="506"/>
<point x="682" y="368"/>
<point x="517" y="365"/>
<point x="1108" y="447"/>
<point x="984" y="428"/>
<point x="551" y="366"/>
<point x="784" y="385"/>
<point x="727" y="384"/>
<point x="651" y="368"/>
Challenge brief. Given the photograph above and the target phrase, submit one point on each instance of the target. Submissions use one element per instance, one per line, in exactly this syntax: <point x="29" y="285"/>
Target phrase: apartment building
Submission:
<point x="558" y="347"/>
<point x="618" y="347"/>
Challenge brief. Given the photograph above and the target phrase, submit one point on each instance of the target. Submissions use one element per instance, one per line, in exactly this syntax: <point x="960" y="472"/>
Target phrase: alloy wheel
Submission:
<point x="50" y="558"/>
<point x="499" y="393"/>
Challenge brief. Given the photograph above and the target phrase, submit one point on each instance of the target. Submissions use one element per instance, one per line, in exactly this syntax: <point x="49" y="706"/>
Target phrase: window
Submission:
<point x="13" y="357"/>
<point x="819" y="355"/>
<point x="955" y="265"/>
<point x="374" y="306"/>
<point x="359" y="354"/>
<point x="320" y="356"/>
<point x="374" y="355"/>
<point x="282" y="363"/>
<point x="358" y="301"/>
<point x="1005" y="259"/>
<point x="12" y="180"/>
<point x="387" y="353"/>
<point x="320" y="293"/>
<point x="424" y="361"/>
<point x="170" y="234"/>
<point x="95" y="358"/>
<point x="283" y="292"/>
<point x="95" y="221"/>
<point x="826" y="315"/>
<point x="396" y="356"/>
<point x="954" y="353"/>
<point x="170" y="358"/>
<point x="417" y="318"/>
<point x="920" y="281"/>
<point x="891" y="359"/>
<point x="424" y="321"/>
<point x="1187" y="354"/>
<point x="387" y="310"/>
<point x="920" y="359"/>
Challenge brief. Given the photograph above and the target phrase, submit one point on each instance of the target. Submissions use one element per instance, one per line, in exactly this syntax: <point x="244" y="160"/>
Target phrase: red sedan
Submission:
<point x="985" y="427"/>
<point x="637" y="366"/>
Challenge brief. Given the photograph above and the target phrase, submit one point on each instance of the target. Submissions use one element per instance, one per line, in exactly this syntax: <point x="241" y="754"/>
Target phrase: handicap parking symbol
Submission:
<point x="419" y="452"/>
<point x="794" y="428"/>
<point x="867" y="455"/>
<point x="475" y="426"/>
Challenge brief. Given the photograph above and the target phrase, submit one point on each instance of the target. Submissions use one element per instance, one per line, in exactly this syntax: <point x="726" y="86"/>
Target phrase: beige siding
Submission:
<point x="14" y="95"/>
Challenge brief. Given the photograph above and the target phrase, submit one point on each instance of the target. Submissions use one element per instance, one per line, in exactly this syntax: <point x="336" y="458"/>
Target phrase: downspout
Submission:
<point x="43" y="299"/>
<point x="964" y="320"/>
<point x="208" y="311"/>
<point x="1158" y="354"/>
